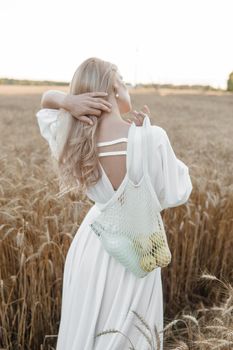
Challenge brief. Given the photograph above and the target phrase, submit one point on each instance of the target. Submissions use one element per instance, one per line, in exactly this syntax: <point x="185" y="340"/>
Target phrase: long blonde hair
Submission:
<point x="77" y="157"/>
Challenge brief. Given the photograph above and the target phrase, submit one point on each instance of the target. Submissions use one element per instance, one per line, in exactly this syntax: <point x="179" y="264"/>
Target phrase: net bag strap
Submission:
<point x="146" y="123"/>
<point x="129" y="152"/>
<point x="130" y="145"/>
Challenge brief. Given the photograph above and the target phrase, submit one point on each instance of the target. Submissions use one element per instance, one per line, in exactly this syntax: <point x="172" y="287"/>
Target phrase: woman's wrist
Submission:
<point x="66" y="102"/>
<point x="53" y="99"/>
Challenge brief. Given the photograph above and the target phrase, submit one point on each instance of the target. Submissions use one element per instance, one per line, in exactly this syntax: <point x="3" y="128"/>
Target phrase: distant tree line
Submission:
<point x="230" y="82"/>
<point x="172" y="86"/>
<point x="7" y="81"/>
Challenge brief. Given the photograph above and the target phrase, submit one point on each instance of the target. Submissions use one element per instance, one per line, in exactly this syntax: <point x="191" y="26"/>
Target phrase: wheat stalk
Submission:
<point x="109" y="331"/>
<point x="145" y="324"/>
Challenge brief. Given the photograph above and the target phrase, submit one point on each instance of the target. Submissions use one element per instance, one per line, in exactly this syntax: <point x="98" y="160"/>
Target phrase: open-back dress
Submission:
<point x="98" y="292"/>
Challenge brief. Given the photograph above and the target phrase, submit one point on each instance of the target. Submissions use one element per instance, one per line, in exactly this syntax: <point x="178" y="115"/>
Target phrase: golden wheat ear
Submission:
<point x="110" y="331"/>
<point x="145" y="324"/>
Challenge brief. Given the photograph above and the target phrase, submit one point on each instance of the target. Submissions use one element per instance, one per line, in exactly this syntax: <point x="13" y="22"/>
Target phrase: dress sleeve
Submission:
<point x="47" y="119"/>
<point x="171" y="180"/>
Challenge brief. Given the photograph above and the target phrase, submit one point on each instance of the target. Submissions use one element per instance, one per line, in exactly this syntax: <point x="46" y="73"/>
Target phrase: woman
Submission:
<point x="98" y="292"/>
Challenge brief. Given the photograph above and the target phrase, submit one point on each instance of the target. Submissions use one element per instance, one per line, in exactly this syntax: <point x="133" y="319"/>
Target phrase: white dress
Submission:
<point x="98" y="292"/>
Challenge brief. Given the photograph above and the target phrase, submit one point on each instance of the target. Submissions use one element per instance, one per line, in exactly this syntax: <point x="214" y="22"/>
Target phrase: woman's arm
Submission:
<point x="53" y="99"/>
<point x="80" y="106"/>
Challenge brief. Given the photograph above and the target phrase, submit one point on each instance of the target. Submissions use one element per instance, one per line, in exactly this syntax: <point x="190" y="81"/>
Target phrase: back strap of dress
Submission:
<point x="111" y="153"/>
<point x="128" y="152"/>
<point x="106" y="143"/>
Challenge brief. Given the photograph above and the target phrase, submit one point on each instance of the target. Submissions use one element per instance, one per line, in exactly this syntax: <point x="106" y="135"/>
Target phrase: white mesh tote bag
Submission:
<point x="130" y="225"/>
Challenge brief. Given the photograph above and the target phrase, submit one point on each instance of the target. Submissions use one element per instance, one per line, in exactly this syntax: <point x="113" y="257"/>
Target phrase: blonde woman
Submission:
<point x="98" y="292"/>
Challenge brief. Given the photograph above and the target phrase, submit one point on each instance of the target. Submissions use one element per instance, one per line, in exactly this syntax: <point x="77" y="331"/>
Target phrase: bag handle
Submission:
<point x="129" y="152"/>
<point x="146" y="123"/>
<point x="130" y="148"/>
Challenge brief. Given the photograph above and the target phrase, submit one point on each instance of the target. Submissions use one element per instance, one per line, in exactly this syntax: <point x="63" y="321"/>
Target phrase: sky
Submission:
<point x="151" y="41"/>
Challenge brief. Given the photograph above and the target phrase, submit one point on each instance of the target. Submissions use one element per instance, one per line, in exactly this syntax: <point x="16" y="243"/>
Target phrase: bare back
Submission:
<point x="112" y="149"/>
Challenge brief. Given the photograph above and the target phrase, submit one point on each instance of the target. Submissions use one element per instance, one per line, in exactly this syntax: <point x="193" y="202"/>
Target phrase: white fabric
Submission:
<point x="98" y="292"/>
<point x="113" y="153"/>
<point x="106" y="143"/>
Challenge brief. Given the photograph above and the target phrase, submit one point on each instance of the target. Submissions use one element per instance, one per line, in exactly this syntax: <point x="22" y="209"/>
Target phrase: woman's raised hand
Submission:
<point x="90" y="103"/>
<point x="139" y="116"/>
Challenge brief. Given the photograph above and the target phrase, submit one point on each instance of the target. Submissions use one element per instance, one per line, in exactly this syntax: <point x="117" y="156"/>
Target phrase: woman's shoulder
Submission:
<point x="157" y="130"/>
<point x="155" y="134"/>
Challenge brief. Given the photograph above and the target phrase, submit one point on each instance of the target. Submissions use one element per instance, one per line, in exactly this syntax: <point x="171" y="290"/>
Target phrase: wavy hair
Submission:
<point x="77" y="156"/>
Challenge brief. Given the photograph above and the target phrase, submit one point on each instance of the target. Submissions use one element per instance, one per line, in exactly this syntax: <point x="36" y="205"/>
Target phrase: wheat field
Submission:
<point x="36" y="228"/>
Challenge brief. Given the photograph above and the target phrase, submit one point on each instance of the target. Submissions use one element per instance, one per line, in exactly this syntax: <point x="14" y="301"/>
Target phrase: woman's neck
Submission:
<point x="112" y="125"/>
<point x="109" y="119"/>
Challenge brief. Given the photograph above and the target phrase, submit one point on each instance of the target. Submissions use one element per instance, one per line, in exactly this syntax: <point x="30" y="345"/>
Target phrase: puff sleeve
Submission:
<point x="171" y="179"/>
<point x="47" y="120"/>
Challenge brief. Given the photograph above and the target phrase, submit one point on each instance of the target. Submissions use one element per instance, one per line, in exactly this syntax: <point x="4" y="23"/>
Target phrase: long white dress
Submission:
<point x="98" y="292"/>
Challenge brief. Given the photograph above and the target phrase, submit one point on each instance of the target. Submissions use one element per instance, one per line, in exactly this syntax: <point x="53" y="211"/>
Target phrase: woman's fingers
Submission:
<point x="96" y="97"/>
<point x="100" y="106"/>
<point x="85" y="119"/>
<point x="100" y="101"/>
<point x="94" y="111"/>
<point x="136" y="114"/>
<point x="146" y="109"/>
<point x="139" y="116"/>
